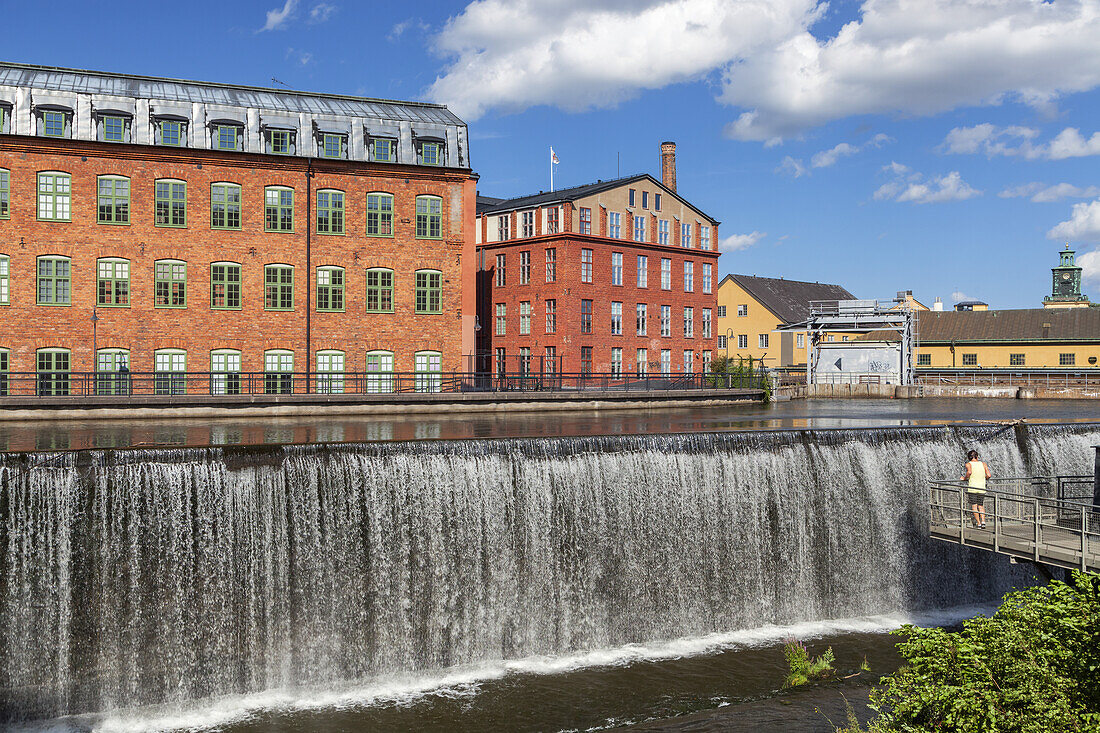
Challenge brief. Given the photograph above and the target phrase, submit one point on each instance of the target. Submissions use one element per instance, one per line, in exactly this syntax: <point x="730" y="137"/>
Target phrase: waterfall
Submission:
<point x="137" y="577"/>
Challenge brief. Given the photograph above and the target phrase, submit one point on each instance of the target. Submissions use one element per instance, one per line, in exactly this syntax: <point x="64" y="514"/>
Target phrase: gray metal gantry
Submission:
<point x="860" y="317"/>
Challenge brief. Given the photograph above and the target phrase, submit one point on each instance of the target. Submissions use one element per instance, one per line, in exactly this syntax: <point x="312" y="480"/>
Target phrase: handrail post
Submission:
<point x="962" y="516"/>
<point x="996" y="524"/>
<point x="1035" y="503"/>
<point x="1084" y="539"/>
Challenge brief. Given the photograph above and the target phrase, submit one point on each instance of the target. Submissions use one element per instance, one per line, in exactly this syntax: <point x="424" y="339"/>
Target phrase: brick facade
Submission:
<point x="568" y="291"/>
<point x="142" y="328"/>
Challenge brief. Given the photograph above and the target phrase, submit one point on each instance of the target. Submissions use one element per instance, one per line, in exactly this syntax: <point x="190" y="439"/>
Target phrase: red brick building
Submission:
<point x="171" y="227"/>
<point x="612" y="277"/>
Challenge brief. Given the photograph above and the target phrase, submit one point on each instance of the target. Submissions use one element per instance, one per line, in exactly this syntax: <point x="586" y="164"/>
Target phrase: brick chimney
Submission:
<point x="668" y="165"/>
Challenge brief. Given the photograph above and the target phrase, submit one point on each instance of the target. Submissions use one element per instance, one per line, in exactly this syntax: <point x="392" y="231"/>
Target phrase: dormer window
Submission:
<point x="112" y="127"/>
<point x="429" y="151"/>
<point x="280" y="141"/>
<point x="334" y="145"/>
<point x="5" y="118"/>
<point x="227" y="135"/>
<point x="172" y="133"/>
<point x="383" y="150"/>
<point x="55" y="123"/>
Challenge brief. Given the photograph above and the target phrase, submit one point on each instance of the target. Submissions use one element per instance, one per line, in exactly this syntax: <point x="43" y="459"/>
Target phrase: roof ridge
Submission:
<point x="598" y="182"/>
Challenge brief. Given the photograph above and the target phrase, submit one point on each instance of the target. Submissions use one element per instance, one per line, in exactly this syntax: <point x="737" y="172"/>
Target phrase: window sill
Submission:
<point x="225" y="229"/>
<point x="170" y="307"/>
<point x="111" y="305"/>
<point x="114" y="223"/>
<point x="56" y="305"/>
<point x="56" y="221"/>
<point x="278" y="231"/>
<point x="331" y="310"/>
<point x="170" y="226"/>
<point x="225" y="308"/>
<point x="331" y="234"/>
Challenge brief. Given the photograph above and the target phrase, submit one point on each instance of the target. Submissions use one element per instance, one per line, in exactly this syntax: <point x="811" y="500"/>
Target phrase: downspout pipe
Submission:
<point x="1096" y="479"/>
<point x="309" y="268"/>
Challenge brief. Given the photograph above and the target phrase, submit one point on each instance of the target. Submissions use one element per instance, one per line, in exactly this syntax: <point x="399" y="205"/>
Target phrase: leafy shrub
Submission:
<point x="804" y="668"/>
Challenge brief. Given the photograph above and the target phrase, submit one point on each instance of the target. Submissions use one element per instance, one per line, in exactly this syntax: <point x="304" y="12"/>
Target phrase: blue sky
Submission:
<point x="945" y="147"/>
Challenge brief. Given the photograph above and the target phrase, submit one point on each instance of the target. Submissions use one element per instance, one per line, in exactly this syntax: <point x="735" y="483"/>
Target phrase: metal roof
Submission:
<point x="577" y="192"/>
<point x="285" y="100"/>
<point x="1025" y="324"/>
<point x="789" y="300"/>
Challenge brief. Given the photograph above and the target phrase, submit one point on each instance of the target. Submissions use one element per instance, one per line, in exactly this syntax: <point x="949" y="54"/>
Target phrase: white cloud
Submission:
<point x="792" y="167"/>
<point x="1017" y="141"/>
<point x="277" y="18"/>
<point x="1042" y="193"/>
<point x="1090" y="266"/>
<point x="735" y="242"/>
<point x="321" y="12"/>
<point x="515" y="54"/>
<point x="1083" y="224"/>
<point x="829" y="157"/>
<point x="917" y="57"/>
<point x="399" y="29"/>
<point x="912" y="187"/>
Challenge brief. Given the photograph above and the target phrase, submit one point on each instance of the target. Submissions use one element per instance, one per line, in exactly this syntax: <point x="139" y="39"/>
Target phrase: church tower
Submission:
<point x="1065" y="290"/>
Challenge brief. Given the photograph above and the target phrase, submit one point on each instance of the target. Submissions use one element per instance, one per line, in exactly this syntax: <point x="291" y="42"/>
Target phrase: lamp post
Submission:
<point x="95" y="322"/>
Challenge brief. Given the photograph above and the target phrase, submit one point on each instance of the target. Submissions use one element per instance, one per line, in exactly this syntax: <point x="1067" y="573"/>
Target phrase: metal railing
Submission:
<point x="131" y="384"/>
<point x="1045" y="519"/>
<point x="1054" y="378"/>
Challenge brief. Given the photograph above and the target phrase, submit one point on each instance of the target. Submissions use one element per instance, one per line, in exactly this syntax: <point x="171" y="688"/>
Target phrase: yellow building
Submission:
<point x="750" y="308"/>
<point x="1031" y="338"/>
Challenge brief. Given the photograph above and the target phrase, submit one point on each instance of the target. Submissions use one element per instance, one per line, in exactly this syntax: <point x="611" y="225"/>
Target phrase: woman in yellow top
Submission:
<point x="976" y="474"/>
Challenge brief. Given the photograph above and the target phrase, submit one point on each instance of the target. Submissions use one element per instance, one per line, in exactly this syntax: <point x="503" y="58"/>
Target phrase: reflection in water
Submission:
<point x="835" y="413"/>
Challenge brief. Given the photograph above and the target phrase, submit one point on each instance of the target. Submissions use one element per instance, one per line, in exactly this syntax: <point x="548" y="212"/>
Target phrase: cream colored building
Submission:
<point x="750" y="308"/>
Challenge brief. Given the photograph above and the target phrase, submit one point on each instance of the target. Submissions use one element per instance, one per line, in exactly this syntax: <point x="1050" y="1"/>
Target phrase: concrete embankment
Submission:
<point x="891" y="391"/>
<point x="314" y="405"/>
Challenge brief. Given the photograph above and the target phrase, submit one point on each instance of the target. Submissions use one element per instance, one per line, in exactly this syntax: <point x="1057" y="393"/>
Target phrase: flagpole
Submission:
<point x="551" y="170"/>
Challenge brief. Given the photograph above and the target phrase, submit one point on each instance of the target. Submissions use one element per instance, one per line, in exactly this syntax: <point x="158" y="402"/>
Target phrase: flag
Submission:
<point x="553" y="156"/>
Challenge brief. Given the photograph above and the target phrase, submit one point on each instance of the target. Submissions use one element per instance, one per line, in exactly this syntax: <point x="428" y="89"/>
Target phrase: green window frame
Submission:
<point x="52" y="366"/>
<point x="5" y="193"/>
<point x="379" y="290"/>
<point x="54" y="280"/>
<point x="429" y="289"/>
<point x="278" y="371"/>
<point x="112" y="372"/>
<point x="55" y="123"/>
<point x="112" y="200"/>
<point x="5" y="359"/>
<point x="225" y="286"/>
<point x="170" y="199"/>
<point x="383" y="150"/>
<point x="330" y="289"/>
<point x="330" y="211"/>
<point x="112" y="282"/>
<point x="278" y="287"/>
<point x="113" y="128"/>
<point x="227" y="137"/>
<point x="379" y="371"/>
<point x="428" y="371"/>
<point x="279" y="142"/>
<point x="169" y="284"/>
<point x="3" y="117"/>
<point x="429" y="217"/>
<point x="225" y="371"/>
<point x="225" y="206"/>
<point x="278" y="209"/>
<point x="333" y="145"/>
<point x="379" y="215"/>
<point x="171" y="133"/>
<point x="170" y="371"/>
<point x="330" y="371"/>
<point x="431" y="154"/>
<point x="54" y="197"/>
<point x="5" y="280"/>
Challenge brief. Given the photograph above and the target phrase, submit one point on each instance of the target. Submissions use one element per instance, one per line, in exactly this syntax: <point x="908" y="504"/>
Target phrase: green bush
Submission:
<point x="1033" y="667"/>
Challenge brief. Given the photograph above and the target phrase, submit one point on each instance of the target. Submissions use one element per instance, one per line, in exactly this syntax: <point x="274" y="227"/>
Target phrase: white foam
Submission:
<point x="467" y="681"/>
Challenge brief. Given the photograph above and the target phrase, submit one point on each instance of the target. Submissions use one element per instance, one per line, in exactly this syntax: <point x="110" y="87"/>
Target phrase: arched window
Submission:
<point x="52" y="371"/>
<point x="5" y="190"/>
<point x="330" y="288"/>
<point x="429" y="286"/>
<point x="5" y="284"/>
<point x="112" y="282"/>
<point x="278" y="287"/>
<point x="278" y="209"/>
<point x="330" y="211"/>
<point x="429" y="217"/>
<point x="54" y="280"/>
<point x="379" y="290"/>
<point x="379" y="371"/>
<point x="225" y="286"/>
<point x="54" y="196"/>
<point x="429" y="371"/>
<point x="379" y="214"/>
<point x="170" y="202"/>
<point x="278" y="371"/>
<point x="225" y="206"/>
<point x="112" y="200"/>
<point x="225" y="371"/>
<point x="330" y="372"/>
<point x="170" y="366"/>
<point x="112" y="372"/>
<point x="5" y="366"/>
<point x="170" y="284"/>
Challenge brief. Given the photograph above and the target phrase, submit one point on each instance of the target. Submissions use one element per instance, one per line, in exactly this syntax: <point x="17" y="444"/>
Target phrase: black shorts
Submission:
<point x="975" y="498"/>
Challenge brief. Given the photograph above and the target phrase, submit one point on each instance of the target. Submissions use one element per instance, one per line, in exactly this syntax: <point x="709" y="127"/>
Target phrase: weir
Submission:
<point x="141" y="577"/>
